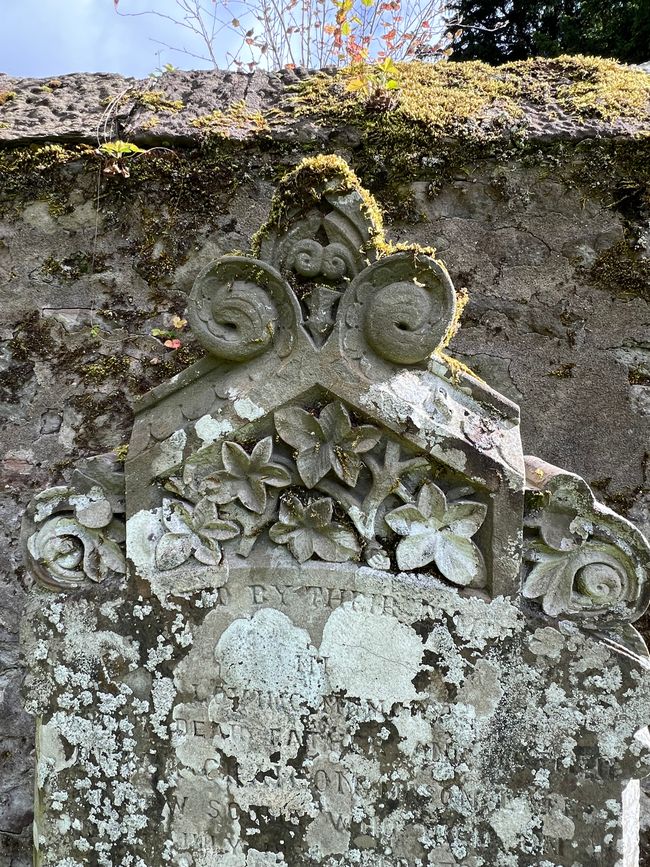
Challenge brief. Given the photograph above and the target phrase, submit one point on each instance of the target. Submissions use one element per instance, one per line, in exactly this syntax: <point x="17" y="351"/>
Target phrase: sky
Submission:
<point x="45" y="38"/>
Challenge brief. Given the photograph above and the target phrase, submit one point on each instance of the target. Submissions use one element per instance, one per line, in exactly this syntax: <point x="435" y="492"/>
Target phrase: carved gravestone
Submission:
<point x="330" y="615"/>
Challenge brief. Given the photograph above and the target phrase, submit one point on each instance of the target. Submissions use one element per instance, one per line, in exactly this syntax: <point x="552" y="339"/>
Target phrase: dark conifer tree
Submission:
<point x="516" y="29"/>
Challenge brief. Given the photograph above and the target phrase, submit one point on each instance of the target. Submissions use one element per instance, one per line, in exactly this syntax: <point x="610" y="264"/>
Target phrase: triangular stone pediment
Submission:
<point x="337" y="331"/>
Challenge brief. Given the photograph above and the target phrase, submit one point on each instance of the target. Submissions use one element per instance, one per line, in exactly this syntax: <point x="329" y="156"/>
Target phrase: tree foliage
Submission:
<point x="518" y="29"/>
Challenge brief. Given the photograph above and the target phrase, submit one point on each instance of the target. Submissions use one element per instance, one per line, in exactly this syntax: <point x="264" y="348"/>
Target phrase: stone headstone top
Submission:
<point x="330" y="614"/>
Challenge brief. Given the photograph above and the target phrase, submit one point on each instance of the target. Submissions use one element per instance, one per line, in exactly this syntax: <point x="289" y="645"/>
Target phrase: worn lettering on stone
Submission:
<point x="330" y="615"/>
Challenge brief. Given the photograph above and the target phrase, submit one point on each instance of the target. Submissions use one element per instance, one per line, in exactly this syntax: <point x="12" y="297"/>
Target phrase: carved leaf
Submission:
<point x="209" y="553"/>
<point x="406" y="519"/>
<point x="208" y="525"/>
<point x="336" y="544"/>
<point x="236" y="461"/>
<point x="111" y="557"/>
<point x="437" y="532"/>
<point x="331" y="442"/>
<point x="459" y="559"/>
<point x="551" y="579"/>
<point x="592" y="576"/>
<point x="432" y="502"/>
<point x="245" y="476"/>
<point x="301" y="431"/>
<point x="198" y="532"/>
<point x="308" y="530"/>
<point x="176" y="517"/>
<point x="334" y="422"/>
<point x="93" y="513"/>
<point x="173" y="549"/>
<point x="417" y="550"/>
<point x="465" y="518"/>
<point x="301" y="545"/>
<point x="297" y="427"/>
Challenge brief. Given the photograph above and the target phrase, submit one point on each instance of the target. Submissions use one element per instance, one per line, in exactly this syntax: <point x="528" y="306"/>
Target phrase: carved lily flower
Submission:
<point x="329" y="442"/>
<point x="245" y="476"/>
<point x="195" y="532"/>
<point x="439" y="532"/>
<point x="309" y="530"/>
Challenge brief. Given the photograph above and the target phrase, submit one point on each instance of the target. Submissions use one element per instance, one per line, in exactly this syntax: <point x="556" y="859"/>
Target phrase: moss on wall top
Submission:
<point x="474" y="99"/>
<point x="564" y="98"/>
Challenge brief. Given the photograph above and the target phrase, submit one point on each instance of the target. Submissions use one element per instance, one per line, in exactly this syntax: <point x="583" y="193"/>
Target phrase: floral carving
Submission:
<point x="353" y="467"/>
<point x="308" y="530"/>
<point x="581" y="560"/>
<point x="245" y="477"/>
<point x="192" y="531"/>
<point x="590" y="575"/>
<point x="327" y="442"/>
<point x="83" y="542"/>
<point x="439" y="532"/>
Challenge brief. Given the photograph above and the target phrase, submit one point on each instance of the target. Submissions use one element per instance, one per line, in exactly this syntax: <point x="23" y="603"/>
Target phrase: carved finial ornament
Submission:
<point x="74" y="535"/>
<point x="582" y="561"/>
<point x="324" y="267"/>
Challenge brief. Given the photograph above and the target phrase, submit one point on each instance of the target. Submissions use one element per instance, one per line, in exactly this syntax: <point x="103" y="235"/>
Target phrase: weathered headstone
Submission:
<point x="330" y="615"/>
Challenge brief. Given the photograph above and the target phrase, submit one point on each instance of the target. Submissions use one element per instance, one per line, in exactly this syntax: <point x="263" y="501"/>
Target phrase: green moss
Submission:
<point x="94" y="410"/>
<point x="107" y="367"/>
<point x="236" y="121"/>
<point x="304" y="187"/>
<point x="32" y="337"/>
<point x="155" y="100"/>
<point x="6" y="96"/>
<point x="476" y="100"/>
<point x="564" y="371"/>
<point x="639" y="375"/>
<point x="170" y="365"/>
<point x="73" y="267"/>
<point x="42" y="172"/>
<point x="447" y="115"/>
<point x="622" y="272"/>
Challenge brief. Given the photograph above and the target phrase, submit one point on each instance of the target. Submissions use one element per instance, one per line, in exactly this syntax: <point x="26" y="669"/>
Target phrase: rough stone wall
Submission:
<point x="551" y="239"/>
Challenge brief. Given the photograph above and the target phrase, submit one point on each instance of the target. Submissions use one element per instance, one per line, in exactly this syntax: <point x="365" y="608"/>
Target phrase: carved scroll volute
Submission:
<point x="399" y="309"/>
<point x="582" y="561"/>
<point x="74" y="535"/>
<point x="240" y="308"/>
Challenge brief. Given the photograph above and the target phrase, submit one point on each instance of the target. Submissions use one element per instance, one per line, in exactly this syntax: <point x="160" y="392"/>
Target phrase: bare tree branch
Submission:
<point x="277" y="33"/>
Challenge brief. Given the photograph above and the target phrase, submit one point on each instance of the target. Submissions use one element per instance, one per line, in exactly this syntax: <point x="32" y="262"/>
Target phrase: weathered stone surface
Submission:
<point x="570" y="350"/>
<point x="177" y="106"/>
<point x="329" y="648"/>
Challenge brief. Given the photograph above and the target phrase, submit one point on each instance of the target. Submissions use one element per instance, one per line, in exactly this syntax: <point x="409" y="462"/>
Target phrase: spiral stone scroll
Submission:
<point x="74" y="535"/>
<point x="403" y="306"/>
<point x="240" y="307"/>
<point x="582" y="561"/>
